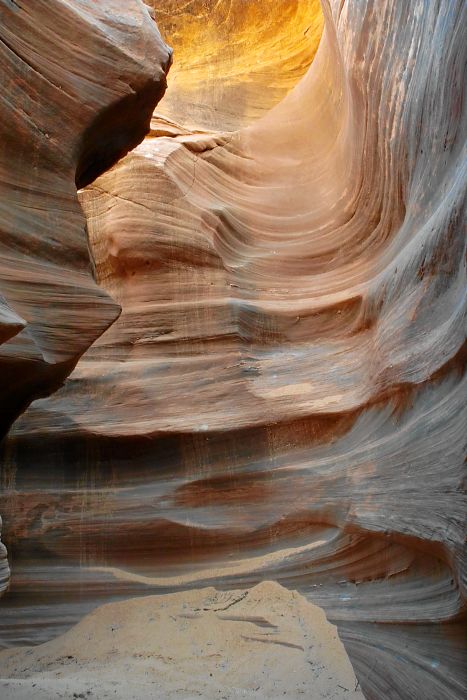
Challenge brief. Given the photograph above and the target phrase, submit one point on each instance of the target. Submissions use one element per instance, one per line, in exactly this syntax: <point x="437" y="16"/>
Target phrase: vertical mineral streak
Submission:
<point x="79" y="82"/>
<point x="283" y="395"/>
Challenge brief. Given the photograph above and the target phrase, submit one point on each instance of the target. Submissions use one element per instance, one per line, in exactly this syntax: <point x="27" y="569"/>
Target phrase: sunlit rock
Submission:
<point x="283" y="395"/>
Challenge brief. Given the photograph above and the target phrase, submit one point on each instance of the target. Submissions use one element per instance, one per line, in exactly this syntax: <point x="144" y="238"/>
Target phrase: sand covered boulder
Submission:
<point x="265" y="642"/>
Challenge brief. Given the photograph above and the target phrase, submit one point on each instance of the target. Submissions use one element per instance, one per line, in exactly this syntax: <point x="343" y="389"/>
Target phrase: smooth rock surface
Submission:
<point x="235" y="60"/>
<point x="4" y="567"/>
<point x="284" y="394"/>
<point x="79" y="81"/>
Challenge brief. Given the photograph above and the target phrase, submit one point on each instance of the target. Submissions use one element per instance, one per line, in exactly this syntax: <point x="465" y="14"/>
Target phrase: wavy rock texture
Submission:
<point x="79" y="82"/>
<point x="235" y="60"/>
<point x="4" y="567"/>
<point x="283" y="395"/>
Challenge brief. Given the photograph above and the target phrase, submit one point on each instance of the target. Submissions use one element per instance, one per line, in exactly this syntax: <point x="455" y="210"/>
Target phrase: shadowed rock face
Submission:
<point x="79" y="81"/>
<point x="283" y="395"/>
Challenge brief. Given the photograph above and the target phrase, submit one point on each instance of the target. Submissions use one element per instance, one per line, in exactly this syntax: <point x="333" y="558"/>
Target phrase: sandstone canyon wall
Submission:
<point x="79" y="83"/>
<point x="283" y="395"/>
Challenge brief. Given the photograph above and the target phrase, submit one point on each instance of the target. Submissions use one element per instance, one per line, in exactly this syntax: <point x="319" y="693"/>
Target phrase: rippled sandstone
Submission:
<point x="283" y="395"/>
<point x="79" y="83"/>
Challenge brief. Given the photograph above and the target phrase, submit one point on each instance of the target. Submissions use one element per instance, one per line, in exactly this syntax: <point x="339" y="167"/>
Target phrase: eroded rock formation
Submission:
<point x="266" y="642"/>
<point x="79" y="83"/>
<point x="235" y="60"/>
<point x="283" y="395"/>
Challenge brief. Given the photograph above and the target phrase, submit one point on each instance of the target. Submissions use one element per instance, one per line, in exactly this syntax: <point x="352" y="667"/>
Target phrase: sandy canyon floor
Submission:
<point x="263" y="642"/>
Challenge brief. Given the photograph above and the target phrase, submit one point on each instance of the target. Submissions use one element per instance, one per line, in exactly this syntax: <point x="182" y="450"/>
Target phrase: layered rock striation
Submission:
<point x="283" y="395"/>
<point x="235" y="60"/>
<point x="79" y="82"/>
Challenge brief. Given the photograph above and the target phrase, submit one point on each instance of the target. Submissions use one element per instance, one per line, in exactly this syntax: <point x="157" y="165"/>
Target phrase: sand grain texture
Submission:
<point x="266" y="642"/>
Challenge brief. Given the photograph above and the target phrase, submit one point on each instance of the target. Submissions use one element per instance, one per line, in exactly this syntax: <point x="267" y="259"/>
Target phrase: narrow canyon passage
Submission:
<point x="283" y="395"/>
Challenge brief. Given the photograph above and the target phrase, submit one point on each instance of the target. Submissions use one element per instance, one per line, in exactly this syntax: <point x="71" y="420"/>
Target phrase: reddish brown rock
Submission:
<point x="283" y="396"/>
<point x="79" y="82"/>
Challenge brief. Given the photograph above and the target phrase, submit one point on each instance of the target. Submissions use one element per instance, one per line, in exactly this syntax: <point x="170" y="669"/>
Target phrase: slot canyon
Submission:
<point x="232" y="327"/>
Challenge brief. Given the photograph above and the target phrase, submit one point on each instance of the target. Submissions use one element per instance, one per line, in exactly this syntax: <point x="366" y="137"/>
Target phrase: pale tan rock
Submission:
<point x="264" y="642"/>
